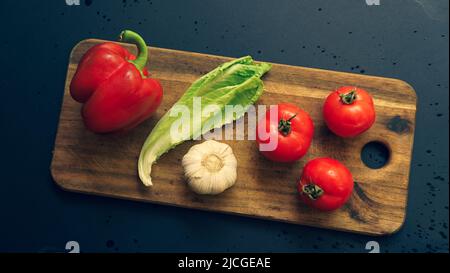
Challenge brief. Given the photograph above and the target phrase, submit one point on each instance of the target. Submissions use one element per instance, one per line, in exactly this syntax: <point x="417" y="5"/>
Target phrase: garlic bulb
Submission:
<point x="210" y="167"/>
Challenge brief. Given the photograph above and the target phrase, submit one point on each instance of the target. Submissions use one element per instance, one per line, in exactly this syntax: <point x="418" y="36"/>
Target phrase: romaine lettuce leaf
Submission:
<point x="233" y="83"/>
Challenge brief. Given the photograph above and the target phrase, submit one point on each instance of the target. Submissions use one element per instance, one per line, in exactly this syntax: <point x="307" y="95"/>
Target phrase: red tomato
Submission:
<point x="326" y="184"/>
<point x="349" y="111"/>
<point x="293" y="130"/>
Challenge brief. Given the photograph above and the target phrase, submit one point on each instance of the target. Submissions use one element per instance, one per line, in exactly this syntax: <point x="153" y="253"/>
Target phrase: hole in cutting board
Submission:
<point x="375" y="154"/>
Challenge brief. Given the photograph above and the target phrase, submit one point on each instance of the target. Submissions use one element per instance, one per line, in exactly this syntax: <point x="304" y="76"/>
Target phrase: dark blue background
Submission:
<point x="403" y="39"/>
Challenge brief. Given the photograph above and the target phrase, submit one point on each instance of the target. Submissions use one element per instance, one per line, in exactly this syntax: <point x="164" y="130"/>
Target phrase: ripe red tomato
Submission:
<point x="325" y="184"/>
<point x="349" y="111"/>
<point x="292" y="129"/>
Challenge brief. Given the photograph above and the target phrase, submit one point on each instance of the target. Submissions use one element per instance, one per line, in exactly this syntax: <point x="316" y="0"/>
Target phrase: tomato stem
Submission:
<point x="284" y="126"/>
<point x="312" y="191"/>
<point x="349" y="97"/>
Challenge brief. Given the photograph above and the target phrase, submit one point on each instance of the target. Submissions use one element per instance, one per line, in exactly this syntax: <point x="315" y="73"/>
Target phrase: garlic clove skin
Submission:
<point x="210" y="167"/>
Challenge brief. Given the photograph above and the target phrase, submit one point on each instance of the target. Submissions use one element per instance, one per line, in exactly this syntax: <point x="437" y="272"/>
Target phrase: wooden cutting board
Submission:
<point x="107" y="164"/>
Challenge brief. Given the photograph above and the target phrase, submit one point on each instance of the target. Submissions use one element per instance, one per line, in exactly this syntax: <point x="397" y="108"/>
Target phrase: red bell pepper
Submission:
<point x="114" y="86"/>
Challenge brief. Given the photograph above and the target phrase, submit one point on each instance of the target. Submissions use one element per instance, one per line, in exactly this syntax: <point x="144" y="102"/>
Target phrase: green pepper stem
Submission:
<point x="129" y="36"/>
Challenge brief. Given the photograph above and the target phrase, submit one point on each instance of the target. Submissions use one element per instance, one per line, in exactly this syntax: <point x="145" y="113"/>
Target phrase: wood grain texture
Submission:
<point x="107" y="164"/>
